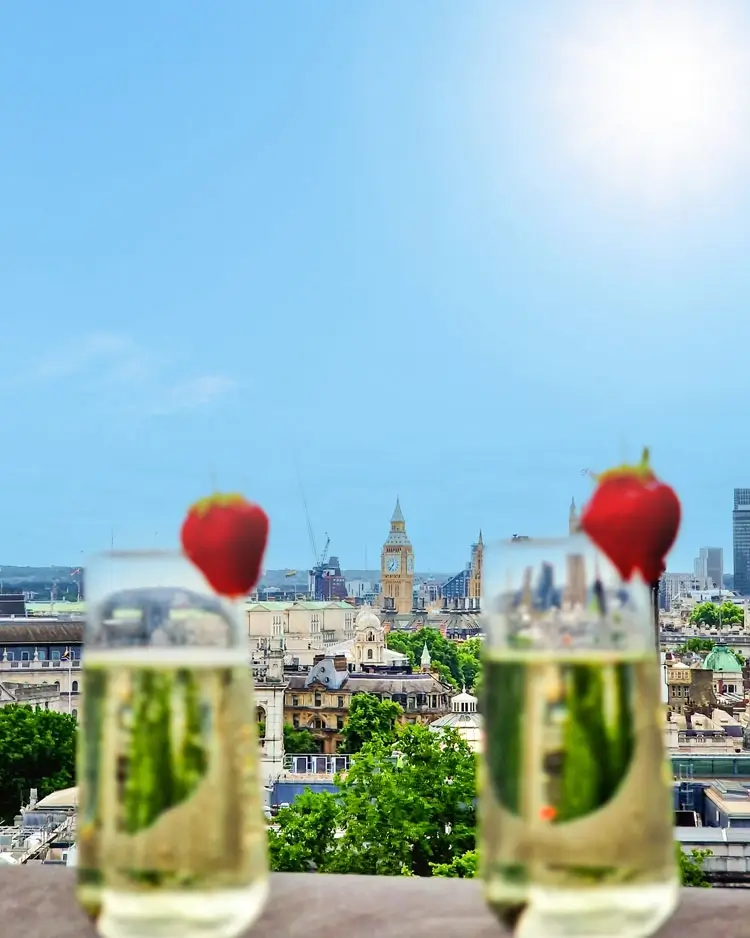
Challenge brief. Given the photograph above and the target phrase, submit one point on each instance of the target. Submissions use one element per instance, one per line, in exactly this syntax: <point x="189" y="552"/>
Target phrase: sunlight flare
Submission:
<point x="653" y="98"/>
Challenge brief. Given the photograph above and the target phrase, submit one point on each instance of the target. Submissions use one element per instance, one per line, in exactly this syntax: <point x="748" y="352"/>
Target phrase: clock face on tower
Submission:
<point x="393" y="564"/>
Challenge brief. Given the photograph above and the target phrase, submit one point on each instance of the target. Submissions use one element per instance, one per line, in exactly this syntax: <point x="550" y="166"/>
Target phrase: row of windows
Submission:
<point x="408" y="702"/>
<point x="318" y="701"/>
<point x="319" y="723"/>
<point x="703" y="767"/>
<point x="41" y="654"/>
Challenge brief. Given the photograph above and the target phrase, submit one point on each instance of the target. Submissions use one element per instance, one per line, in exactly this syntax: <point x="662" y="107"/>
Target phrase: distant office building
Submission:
<point x="671" y="585"/>
<point x="361" y="589"/>
<point x="458" y="586"/>
<point x="709" y="567"/>
<point x="741" y="541"/>
<point x="327" y="582"/>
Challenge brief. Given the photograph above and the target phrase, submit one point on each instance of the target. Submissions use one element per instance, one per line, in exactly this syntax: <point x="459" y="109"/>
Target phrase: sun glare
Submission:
<point x="653" y="98"/>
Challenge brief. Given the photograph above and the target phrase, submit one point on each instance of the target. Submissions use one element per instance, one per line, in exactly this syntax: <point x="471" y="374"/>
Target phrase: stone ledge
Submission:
<point x="38" y="902"/>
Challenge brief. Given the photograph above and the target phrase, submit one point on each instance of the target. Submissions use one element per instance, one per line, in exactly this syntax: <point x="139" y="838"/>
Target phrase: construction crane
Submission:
<point x="324" y="555"/>
<point x="319" y="560"/>
<point x="310" y="533"/>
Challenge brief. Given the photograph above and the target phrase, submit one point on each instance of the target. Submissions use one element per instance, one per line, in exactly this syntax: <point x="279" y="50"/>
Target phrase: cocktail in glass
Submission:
<point x="171" y="833"/>
<point x="576" y="812"/>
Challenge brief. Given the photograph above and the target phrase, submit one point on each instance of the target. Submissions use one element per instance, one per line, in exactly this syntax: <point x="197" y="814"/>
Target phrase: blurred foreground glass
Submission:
<point x="171" y="834"/>
<point x="576" y="802"/>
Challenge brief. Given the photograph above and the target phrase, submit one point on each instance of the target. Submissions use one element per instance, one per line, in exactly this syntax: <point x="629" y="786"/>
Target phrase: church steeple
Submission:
<point x="475" y="578"/>
<point x="425" y="662"/>
<point x="573" y="526"/>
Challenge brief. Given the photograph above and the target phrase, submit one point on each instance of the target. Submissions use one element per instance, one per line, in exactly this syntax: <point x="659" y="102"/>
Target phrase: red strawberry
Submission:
<point x="225" y="537"/>
<point x="633" y="518"/>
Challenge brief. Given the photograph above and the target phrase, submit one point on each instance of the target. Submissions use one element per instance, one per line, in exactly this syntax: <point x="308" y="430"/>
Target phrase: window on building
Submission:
<point x="339" y="723"/>
<point x="55" y="654"/>
<point x="74" y="687"/>
<point x="369" y="654"/>
<point x="277" y="625"/>
<point x="24" y="656"/>
<point x="315" y="622"/>
<point x="295" y="721"/>
<point x="295" y="700"/>
<point x="340" y="702"/>
<point x="320" y="724"/>
<point x="318" y="699"/>
<point x="348" y="620"/>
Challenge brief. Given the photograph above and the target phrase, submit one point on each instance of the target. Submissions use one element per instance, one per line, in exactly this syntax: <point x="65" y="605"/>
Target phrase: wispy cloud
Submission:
<point x="126" y="372"/>
<point x="194" y="393"/>
<point x="103" y="351"/>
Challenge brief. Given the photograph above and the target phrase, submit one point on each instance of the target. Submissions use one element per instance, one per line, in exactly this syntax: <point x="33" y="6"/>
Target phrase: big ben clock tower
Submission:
<point x="397" y="564"/>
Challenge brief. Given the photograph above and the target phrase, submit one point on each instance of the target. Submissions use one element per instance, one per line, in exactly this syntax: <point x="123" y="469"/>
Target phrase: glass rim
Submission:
<point x="525" y="540"/>
<point x="132" y="554"/>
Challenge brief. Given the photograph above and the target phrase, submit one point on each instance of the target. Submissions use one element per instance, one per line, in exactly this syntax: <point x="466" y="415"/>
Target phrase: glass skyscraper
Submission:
<point x="741" y="541"/>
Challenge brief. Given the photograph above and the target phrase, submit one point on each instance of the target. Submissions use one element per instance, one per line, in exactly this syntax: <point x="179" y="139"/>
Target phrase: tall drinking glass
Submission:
<point x="171" y="834"/>
<point x="576" y="813"/>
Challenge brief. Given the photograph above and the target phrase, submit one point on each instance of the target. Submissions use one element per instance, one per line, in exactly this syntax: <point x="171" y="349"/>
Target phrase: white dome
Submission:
<point x="65" y="798"/>
<point x="367" y="619"/>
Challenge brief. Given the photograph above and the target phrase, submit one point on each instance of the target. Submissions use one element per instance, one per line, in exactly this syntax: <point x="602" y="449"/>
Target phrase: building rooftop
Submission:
<point x="65" y="798"/>
<point x="39" y="902"/>
<point x="278" y="605"/>
<point x="31" y="631"/>
<point x="720" y="658"/>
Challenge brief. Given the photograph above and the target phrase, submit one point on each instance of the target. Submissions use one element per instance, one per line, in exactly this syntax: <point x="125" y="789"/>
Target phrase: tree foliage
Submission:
<point x="400" y="810"/>
<point x="303" y="833"/>
<point x="37" y="750"/>
<point x="463" y="867"/>
<point x="457" y="664"/>
<point x="368" y="718"/>
<point x="696" y="645"/>
<point x="298" y="740"/>
<point x="691" y="866"/>
<point x="712" y="614"/>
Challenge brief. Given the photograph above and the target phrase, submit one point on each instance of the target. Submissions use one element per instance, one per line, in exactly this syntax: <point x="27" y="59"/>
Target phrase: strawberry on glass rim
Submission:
<point x="225" y="536"/>
<point x="633" y="518"/>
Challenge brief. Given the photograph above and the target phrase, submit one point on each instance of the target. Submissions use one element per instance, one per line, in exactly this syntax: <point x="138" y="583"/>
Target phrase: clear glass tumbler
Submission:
<point x="171" y="834"/>
<point x="576" y="810"/>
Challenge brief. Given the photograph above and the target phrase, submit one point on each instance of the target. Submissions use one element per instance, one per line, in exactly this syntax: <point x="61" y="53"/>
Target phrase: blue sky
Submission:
<point x="350" y="244"/>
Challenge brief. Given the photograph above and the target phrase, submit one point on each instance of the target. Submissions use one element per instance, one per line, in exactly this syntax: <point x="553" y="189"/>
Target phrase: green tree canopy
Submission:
<point x="463" y="866"/>
<point x="304" y="833"/>
<point x="457" y="663"/>
<point x="712" y="614"/>
<point x="696" y="645"/>
<point x="691" y="866"/>
<point x="401" y="810"/>
<point x="298" y="740"/>
<point x="37" y="750"/>
<point x="368" y="718"/>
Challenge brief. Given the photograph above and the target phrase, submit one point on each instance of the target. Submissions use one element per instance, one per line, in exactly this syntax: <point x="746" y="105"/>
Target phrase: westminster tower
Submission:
<point x="397" y="565"/>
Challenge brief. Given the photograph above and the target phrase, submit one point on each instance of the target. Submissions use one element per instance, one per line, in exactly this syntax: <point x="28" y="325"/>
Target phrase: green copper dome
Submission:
<point x="720" y="658"/>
